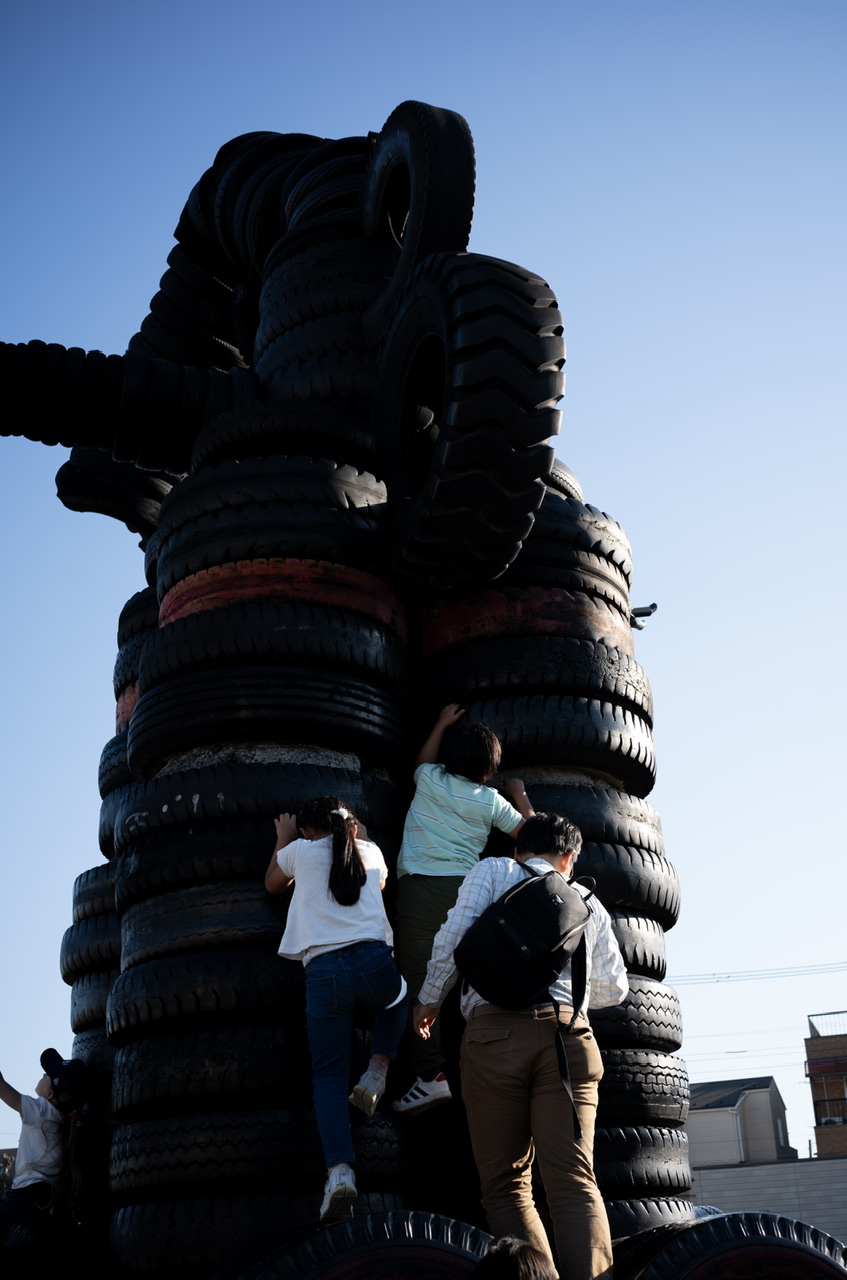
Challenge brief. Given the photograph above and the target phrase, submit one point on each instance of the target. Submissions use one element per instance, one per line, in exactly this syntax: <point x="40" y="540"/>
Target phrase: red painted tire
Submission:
<point x="307" y="581"/>
<point x="525" y="611"/>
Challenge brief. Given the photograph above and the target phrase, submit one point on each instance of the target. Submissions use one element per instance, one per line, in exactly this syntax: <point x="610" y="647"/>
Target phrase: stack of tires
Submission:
<point x="544" y="655"/>
<point x="276" y="669"/>
<point x="333" y="432"/>
<point x="393" y="468"/>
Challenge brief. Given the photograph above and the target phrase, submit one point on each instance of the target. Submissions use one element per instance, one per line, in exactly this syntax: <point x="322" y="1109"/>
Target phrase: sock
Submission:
<point x="376" y="1064"/>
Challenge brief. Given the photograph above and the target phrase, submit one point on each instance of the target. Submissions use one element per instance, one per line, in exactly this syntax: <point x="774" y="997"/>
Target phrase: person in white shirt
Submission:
<point x="46" y="1122"/>
<point x="337" y="926"/>
<point x="515" y="1099"/>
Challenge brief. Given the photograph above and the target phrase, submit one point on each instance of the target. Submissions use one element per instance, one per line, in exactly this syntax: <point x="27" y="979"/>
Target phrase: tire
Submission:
<point x="418" y="193"/>
<point x="126" y="664"/>
<point x="310" y="511"/>
<point x="113" y="770"/>
<point x="99" y="1056"/>
<point x="196" y="919"/>
<point x="262" y="1147"/>
<point x="204" y="989"/>
<point x="642" y="1087"/>
<point x="220" y="1067"/>
<point x="629" y="1217"/>
<point x="263" y="704"/>
<point x="524" y="611"/>
<point x="178" y="800"/>
<point x="746" y="1246"/>
<point x="622" y="846"/>
<point x="562" y="480"/>
<point x="291" y="428"/>
<point x="175" y="1155"/>
<point x="325" y="188"/>
<point x="567" y="529"/>
<point x="567" y="732"/>
<point x="539" y="664"/>
<point x="311" y="278"/>
<point x="648" y="1018"/>
<point x="90" y="945"/>
<point x="641" y="1162"/>
<point x="89" y="995"/>
<point x="276" y="579"/>
<point x="642" y="945"/>
<point x="140" y="613"/>
<point x="174" y="1238"/>
<point x="418" y="1246"/>
<point x="94" y="892"/>
<point x="470" y="374"/>
<point x="91" y="480"/>
<point x="290" y="634"/>
<point x="631" y="880"/>
<point x="208" y="852"/>
<point x="544" y="563"/>
<point x="234" y="187"/>
<point x="310" y="344"/>
<point x="60" y="396"/>
<point x="236" y="486"/>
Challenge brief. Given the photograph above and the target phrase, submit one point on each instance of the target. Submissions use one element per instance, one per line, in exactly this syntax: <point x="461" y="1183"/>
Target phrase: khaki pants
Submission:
<point x="518" y="1108"/>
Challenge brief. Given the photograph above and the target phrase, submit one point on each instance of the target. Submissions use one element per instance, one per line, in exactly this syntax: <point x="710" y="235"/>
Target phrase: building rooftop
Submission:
<point x="827" y="1024"/>
<point x="725" y="1093"/>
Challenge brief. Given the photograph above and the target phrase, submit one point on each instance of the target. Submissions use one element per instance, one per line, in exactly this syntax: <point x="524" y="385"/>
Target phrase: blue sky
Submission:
<point x="677" y="173"/>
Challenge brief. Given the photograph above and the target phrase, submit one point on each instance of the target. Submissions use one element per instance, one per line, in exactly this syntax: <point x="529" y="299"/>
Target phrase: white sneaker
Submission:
<point x="339" y="1194"/>
<point x="367" y="1093"/>
<point x="424" y="1094"/>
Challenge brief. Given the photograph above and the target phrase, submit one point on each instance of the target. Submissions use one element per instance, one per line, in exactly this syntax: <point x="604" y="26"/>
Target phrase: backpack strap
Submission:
<point x="579" y="984"/>
<point x="562" y="1059"/>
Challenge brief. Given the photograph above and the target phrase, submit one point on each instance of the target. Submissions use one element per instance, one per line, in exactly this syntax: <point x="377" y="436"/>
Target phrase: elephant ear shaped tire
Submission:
<point x="470" y="374"/>
<point x="418" y="193"/>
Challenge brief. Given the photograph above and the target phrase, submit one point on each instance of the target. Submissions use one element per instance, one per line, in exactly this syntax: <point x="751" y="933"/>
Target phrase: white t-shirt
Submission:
<point x="316" y="922"/>
<point x="39" y="1157"/>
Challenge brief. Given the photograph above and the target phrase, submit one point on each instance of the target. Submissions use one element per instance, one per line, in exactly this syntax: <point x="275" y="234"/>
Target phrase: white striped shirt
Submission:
<point x="606" y="982"/>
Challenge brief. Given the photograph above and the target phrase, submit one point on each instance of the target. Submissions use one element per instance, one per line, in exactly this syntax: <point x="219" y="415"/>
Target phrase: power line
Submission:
<point x="755" y="975"/>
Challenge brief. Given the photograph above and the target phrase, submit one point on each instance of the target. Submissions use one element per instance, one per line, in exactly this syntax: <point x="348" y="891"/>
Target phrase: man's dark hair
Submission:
<point x="548" y="833"/>
<point x="471" y="750"/>
<point x="513" y="1259"/>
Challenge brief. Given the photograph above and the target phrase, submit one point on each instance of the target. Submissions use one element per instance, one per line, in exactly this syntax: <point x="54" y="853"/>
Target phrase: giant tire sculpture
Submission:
<point x="333" y="431"/>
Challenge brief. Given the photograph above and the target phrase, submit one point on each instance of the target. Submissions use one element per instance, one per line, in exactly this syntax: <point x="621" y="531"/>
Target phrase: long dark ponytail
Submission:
<point x="347" y="873"/>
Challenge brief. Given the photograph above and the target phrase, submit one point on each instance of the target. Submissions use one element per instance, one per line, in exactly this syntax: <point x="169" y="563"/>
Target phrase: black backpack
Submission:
<point x="517" y="948"/>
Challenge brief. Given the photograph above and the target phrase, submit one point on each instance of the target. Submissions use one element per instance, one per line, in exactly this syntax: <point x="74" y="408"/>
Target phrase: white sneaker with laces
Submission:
<point x="367" y="1093"/>
<point x="339" y="1194"/>
<point x="423" y="1095"/>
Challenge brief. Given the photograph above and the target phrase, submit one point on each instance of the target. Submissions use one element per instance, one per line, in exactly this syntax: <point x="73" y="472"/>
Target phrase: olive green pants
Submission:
<point x="422" y="906"/>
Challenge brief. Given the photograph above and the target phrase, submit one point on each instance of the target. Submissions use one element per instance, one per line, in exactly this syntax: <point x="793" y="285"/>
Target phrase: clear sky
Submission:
<point x="676" y="171"/>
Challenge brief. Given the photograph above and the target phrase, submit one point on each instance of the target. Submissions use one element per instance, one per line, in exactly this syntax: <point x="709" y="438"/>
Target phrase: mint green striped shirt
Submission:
<point x="448" y="823"/>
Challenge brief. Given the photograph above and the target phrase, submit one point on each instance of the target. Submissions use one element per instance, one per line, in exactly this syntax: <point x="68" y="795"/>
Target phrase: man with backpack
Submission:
<point x="530" y="1074"/>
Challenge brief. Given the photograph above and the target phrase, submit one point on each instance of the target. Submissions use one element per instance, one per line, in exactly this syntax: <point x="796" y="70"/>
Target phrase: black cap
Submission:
<point x="70" y="1079"/>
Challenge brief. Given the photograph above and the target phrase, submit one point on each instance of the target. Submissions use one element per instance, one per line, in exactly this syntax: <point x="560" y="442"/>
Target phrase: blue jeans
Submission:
<point x="363" y="974"/>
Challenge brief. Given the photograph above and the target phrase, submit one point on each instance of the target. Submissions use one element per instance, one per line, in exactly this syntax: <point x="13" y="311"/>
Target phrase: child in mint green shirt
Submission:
<point x="446" y="829"/>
